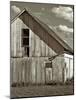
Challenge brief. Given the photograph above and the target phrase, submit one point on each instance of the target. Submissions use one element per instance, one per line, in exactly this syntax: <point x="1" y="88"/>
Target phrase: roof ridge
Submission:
<point x="18" y="15"/>
<point x="53" y="32"/>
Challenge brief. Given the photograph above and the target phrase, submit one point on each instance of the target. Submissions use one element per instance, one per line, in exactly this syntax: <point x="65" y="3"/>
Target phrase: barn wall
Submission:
<point x="69" y="67"/>
<point x="16" y="33"/>
<point x="29" y="70"/>
<point x="32" y="69"/>
<point x="58" y="66"/>
<point x="41" y="32"/>
<point x="37" y="46"/>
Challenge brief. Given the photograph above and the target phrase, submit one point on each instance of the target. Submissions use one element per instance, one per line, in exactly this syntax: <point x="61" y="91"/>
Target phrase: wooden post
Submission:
<point x="36" y="71"/>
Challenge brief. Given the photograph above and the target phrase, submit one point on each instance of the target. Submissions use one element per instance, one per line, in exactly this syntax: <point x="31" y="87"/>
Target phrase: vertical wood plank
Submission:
<point x="30" y="62"/>
<point x="30" y="43"/>
<point x="38" y="70"/>
<point x="69" y="68"/>
<point x="46" y="50"/>
<point x="17" y="70"/>
<point x="14" y="40"/>
<point x="32" y="48"/>
<point x="25" y="71"/>
<point x="43" y="49"/>
<point x="14" y="72"/>
<point x="37" y="46"/>
<point x="33" y="70"/>
<point x="20" y="41"/>
<point x="22" y="70"/>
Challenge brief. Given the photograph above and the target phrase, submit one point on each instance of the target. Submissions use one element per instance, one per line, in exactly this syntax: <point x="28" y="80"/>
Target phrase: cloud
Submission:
<point x="38" y="14"/>
<point x="16" y="9"/>
<point x="63" y="12"/>
<point x="64" y="28"/>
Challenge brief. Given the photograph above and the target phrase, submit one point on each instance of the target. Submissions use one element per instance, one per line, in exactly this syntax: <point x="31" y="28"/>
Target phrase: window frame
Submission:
<point x="24" y="44"/>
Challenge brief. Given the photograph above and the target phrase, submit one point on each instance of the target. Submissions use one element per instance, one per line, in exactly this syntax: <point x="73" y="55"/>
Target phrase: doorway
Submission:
<point x="48" y="72"/>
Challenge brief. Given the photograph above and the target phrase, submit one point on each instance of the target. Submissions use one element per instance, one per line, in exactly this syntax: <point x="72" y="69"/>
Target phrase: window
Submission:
<point x="48" y="72"/>
<point x="25" y="41"/>
<point x="48" y="64"/>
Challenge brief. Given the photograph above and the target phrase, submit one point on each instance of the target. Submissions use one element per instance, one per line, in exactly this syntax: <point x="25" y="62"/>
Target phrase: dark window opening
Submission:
<point x="25" y="41"/>
<point x="48" y="65"/>
<point x="25" y="32"/>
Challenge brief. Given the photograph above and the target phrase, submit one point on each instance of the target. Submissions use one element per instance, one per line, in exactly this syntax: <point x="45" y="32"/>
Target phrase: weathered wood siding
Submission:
<point x="58" y="65"/>
<point x="69" y="67"/>
<point x="37" y="46"/>
<point x="32" y="69"/>
<point x="41" y="32"/>
<point x="16" y="38"/>
<point x="29" y="69"/>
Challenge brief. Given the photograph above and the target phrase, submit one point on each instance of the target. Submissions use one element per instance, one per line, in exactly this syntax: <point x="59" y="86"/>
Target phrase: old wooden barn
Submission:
<point x="38" y="55"/>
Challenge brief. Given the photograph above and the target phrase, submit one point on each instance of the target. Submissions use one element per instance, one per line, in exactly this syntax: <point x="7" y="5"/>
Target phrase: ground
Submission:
<point x="43" y="90"/>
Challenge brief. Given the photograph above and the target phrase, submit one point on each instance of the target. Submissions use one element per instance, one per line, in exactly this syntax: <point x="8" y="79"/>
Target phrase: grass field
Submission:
<point x="42" y="90"/>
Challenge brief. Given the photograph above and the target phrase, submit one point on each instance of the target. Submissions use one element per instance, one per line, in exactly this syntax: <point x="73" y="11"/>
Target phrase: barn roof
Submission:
<point x="49" y="31"/>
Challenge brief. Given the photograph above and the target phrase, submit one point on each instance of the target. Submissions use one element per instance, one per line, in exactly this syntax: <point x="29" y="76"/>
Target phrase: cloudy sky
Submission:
<point x="57" y="17"/>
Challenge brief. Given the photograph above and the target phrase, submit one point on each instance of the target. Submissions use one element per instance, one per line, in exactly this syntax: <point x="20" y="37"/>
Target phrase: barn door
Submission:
<point x="48" y="72"/>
